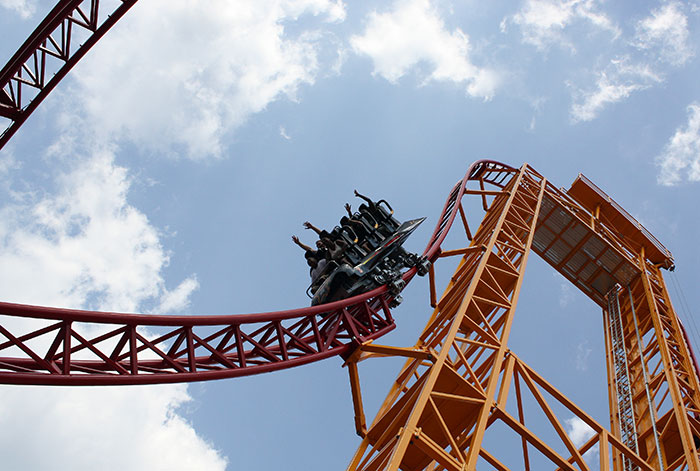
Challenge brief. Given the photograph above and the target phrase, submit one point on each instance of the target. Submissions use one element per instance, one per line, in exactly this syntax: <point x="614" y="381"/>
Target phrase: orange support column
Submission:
<point x="664" y="386"/>
<point x="437" y="412"/>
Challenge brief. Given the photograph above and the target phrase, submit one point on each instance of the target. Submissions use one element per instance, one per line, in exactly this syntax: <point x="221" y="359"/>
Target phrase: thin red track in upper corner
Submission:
<point x="49" y="54"/>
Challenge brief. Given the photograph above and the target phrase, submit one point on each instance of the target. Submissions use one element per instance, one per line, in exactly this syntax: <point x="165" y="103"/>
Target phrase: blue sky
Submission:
<point x="169" y="170"/>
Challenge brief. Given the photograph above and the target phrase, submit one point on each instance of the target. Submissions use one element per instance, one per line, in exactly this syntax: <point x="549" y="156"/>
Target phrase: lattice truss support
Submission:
<point x="664" y="387"/>
<point x="70" y="29"/>
<point x="49" y="346"/>
<point x="451" y="406"/>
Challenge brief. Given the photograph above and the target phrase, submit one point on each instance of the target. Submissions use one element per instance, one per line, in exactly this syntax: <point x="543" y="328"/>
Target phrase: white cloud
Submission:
<point x="413" y="34"/>
<point x="665" y="33"/>
<point x="661" y="37"/>
<point x="543" y="22"/>
<point x="8" y="162"/>
<point x="283" y="133"/>
<point x="179" y="298"/>
<point x="580" y="433"/>
<point x="110" y="429"/>
<point x="566" y="293"/>
<point x="680" y="158"/>
<point x="616" y="82"/>
<point x="176" y="76"/>
<point x="537" y="104"/>
<point x="583" y="352"/>
<point x="84" y="246"/>
<point x="25" y="8"/>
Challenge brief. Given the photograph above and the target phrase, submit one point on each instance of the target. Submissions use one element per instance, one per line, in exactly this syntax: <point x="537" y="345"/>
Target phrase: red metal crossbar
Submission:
<point x="48" y="55"/>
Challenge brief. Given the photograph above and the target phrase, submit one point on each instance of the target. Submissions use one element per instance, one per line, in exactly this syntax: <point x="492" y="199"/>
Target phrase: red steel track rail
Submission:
<point x="56" y="45"/>
<point x="74" y="347"/>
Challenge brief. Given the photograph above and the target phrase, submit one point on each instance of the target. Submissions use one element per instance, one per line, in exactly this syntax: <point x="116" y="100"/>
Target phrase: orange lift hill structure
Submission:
<point x="460" y="379"/>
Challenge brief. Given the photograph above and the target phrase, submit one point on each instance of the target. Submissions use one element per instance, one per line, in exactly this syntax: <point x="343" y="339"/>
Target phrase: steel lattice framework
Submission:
<point x="94" y="348"/>
<point x="462" y="391"/>
<point x="67" y="33"/>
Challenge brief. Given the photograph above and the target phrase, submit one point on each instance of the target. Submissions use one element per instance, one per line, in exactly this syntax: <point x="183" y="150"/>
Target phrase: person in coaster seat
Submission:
<point x="316" y="259"/>
<point x="374" y="231"/>
<point x="359" y="228"/>
<point x="383" y="217"/>
<point x="334" y="244"/>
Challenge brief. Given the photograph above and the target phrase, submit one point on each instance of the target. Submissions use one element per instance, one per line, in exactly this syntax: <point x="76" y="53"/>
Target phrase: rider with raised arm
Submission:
<point x="370" y="203"/>
<point x="385" y="220"/>
<point x="371" y="206"/>
<point x="334" y="245"/>
<point x="321" y="233"/>
<point x="316" y="259"/>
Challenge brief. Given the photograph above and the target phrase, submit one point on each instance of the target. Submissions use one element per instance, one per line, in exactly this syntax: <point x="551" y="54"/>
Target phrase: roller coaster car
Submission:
<point x="381" y="266"/>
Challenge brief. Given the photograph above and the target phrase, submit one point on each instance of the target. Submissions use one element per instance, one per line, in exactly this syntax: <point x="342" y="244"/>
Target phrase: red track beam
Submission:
<point x="49" y="54"/>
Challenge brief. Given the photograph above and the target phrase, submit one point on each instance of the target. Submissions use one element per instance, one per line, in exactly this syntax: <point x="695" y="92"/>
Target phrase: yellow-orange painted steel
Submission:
<point x="468" y="331"/>
<point x="664" y="358"/>
<point x="360" y="424"/>
<point x="627" y="228"/>
<point x="453" y="390"/>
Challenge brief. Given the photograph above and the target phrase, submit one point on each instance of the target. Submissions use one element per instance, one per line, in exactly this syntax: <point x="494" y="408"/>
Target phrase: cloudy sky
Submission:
<point x="169" y="170"/>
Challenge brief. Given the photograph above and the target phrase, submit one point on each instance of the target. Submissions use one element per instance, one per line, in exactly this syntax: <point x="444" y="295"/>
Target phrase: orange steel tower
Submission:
<point x="461" y="399"/>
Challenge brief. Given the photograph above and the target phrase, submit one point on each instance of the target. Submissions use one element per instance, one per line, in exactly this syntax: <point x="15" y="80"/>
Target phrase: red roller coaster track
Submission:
<point x="66" y="34"/>
<point x="74" y="347"/>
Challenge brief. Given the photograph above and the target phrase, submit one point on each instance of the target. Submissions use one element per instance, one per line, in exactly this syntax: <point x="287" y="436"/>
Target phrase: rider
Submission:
<point x="334" y="245"/>
<point x="316" y="259"/>
<point x="370" y="203"/>
<point x="386" y="223"/>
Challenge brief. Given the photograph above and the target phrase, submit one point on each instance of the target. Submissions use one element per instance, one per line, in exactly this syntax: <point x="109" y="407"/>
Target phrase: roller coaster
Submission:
<point x="460" y="384"/>
<point x="240" y="344"/>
